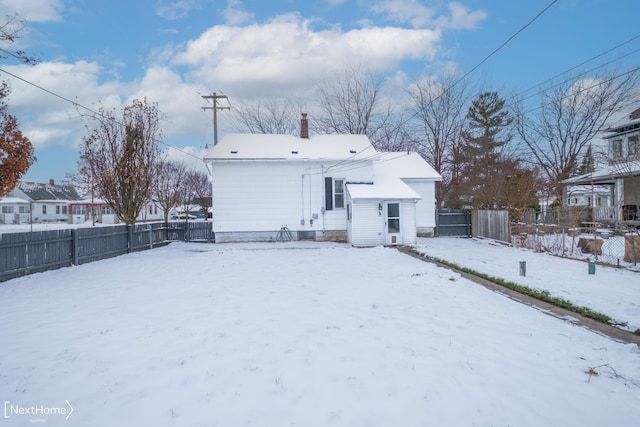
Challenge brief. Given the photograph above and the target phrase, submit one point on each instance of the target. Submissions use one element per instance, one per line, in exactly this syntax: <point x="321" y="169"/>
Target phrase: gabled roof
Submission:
<point x="41" y="192"/>
<point x="404" y="165"/>
<point x="289" y="147"/>
<point x="389" y="172"/>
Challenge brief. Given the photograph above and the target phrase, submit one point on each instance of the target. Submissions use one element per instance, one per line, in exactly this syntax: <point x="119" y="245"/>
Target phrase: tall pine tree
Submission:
<point x="484" y="140"/>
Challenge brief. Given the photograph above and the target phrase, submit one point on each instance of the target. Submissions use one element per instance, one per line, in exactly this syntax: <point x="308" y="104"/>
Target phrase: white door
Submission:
<point x="392" y="224"/>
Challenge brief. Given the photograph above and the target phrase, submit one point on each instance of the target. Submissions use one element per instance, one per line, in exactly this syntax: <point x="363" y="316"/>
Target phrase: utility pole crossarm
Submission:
<point x="215" y="97"/>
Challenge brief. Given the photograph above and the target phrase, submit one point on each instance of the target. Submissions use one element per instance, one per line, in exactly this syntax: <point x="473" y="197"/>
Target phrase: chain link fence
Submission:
<point x="578" y="232"/>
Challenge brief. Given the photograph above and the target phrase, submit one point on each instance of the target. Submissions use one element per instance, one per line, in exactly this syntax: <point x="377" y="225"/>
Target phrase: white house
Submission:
<point x="40" y="202"/>
<point x="621" y="175"/>
<point x="325" y="187"/>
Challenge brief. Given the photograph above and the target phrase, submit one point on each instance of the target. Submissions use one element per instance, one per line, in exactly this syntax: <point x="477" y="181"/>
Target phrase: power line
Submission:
<point x="531" y="21"/>
<point x="90" y="110"/>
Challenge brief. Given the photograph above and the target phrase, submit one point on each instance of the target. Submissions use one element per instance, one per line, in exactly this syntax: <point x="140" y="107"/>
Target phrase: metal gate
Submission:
<point x="453" y="222"/>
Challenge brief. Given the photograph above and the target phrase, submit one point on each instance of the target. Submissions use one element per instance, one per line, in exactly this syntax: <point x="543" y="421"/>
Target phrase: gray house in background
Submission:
<point x="38" y="202"/>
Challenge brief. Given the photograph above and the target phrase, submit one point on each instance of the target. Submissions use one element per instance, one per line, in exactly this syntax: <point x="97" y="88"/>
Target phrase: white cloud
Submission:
<point x="264" y="59"/>
<point x="49" y="120"/>
<point x="235" y="14"/>
<point x="405" y="11"/>
<point x="180" y="102"/>
<point x="177" y="9"/>
<point x="35" y="10"/>
<point x="413" y="12"/>
<point x="462" y="17"/>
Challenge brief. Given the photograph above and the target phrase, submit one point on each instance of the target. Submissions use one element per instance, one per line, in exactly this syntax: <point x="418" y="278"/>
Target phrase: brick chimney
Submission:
<point x="52" y="182"/>
<point x="304" y="126"/>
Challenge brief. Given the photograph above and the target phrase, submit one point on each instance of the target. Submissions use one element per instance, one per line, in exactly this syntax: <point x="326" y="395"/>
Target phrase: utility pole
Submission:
<point x="215" y="97"/>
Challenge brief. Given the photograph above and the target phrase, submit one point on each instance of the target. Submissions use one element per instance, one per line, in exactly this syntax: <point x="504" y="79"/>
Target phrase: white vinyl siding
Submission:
<point x="425" y="208"/>
<point x="408" y="222"/>
<point x="367" y="225"/>
<point x="263" y="196"/>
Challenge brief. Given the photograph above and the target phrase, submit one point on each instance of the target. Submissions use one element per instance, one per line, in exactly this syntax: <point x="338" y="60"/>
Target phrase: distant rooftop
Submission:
<point x="38" y="191"/>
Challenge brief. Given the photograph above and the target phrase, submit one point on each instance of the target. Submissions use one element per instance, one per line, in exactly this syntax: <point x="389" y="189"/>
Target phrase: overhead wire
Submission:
<point x="90" y="110"/>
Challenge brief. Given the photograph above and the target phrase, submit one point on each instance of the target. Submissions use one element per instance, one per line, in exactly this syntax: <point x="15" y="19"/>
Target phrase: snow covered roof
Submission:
<point x="607" y="174"/>
<point x="389" y="171"/>
<point x="47" y="192"/>
<point x="404" y="165"/>
<point x="13" y="201"/>
<point x="289" y="147"/>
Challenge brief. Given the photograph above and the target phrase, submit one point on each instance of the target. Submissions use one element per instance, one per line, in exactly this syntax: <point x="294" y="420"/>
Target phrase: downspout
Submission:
<point x="323" y="209"/>
<point x="302" y="222"/>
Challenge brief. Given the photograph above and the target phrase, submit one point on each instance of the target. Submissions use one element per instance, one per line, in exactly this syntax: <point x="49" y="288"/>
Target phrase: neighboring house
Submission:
<point x="14" y="210"/>
<point x="41" y="202"/>
<point x="84" y="210"/>
<point x="621" y="176"/>
<point x="325" y="187"/>
<point x="588" y="196"/>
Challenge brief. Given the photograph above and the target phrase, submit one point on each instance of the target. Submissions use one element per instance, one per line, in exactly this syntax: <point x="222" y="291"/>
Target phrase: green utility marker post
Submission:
<point x="523" y="268"/>
<point x="592" y="267"/>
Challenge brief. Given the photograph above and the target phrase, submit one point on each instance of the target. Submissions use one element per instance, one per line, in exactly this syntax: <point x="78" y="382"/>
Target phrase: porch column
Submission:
<point x="618" y="194"/>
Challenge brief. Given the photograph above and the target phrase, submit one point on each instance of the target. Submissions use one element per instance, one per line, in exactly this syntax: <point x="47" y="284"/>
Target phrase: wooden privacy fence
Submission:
<point x="38" y="251"/>
<point x="491" y="224"/>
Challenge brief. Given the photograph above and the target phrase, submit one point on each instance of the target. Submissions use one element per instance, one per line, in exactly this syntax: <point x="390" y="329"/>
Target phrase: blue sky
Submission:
<point x="110" y="52"/>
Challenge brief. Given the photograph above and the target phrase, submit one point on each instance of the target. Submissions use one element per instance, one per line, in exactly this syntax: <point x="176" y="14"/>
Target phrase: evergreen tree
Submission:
<point x="588" y="163"/>
<point x="484" y="141"/>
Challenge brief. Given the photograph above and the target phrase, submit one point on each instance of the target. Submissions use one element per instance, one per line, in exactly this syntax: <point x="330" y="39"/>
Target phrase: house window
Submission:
<point x="106" y="210"/>
<point x="57" y="209"/>
<point x="78" y="210"/>
<point x="150" y="209"/>
<point x="333" y="193"/>
<point x="44" y="209"/>
<point x="616" y="149"/>
<point x="632" y="145"/>
<point x="589" y="201"/>
<point x="338" y="193"/>
<point x="24" y="209"/>
<point x="7" y="209"/>
<point x="64" y="210"/>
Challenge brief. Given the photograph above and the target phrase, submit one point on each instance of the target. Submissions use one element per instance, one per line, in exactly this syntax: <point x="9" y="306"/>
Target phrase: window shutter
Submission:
<point x="328" y="193"/>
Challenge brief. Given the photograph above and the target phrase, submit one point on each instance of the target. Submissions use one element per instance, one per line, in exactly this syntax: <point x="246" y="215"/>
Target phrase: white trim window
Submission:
<point x="333" y="193"/>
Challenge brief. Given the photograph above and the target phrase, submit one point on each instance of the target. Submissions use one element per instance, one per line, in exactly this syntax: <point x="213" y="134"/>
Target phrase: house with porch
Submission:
<point x="321" y="187"/>
<point x="37" y="202"/>
<point x="620" y="176"/>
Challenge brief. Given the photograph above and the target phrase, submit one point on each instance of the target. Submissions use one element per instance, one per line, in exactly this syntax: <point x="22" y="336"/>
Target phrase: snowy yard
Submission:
<point x="611" y="291"/>
<point x="300" y="334"/>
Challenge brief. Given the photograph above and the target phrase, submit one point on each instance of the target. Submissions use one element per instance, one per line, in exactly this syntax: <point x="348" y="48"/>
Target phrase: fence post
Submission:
<point x="129" y="238"/>
<point x="150" y="236"/>
<point x="74" y="246"/>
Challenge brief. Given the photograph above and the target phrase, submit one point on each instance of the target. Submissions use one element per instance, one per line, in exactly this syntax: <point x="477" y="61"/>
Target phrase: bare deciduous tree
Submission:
<point x="168" y="178"/>
<point x="570" y="116"/>
<point x="122" y="155"/>
<point x="194" y="185"/>
<point x="352" y="103"/>
<point x="272" y="116"/>
<point x="440" y="108"/>
<point x="202" y="191"/>
<point x="11" y="29"/>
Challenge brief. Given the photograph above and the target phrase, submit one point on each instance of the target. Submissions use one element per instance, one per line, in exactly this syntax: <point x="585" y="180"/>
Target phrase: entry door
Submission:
<point x="392" y="224"/>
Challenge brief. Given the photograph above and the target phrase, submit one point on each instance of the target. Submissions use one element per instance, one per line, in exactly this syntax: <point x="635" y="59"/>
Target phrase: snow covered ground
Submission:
<point x="611" y="291"/>
<point x="299" y="334"/>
